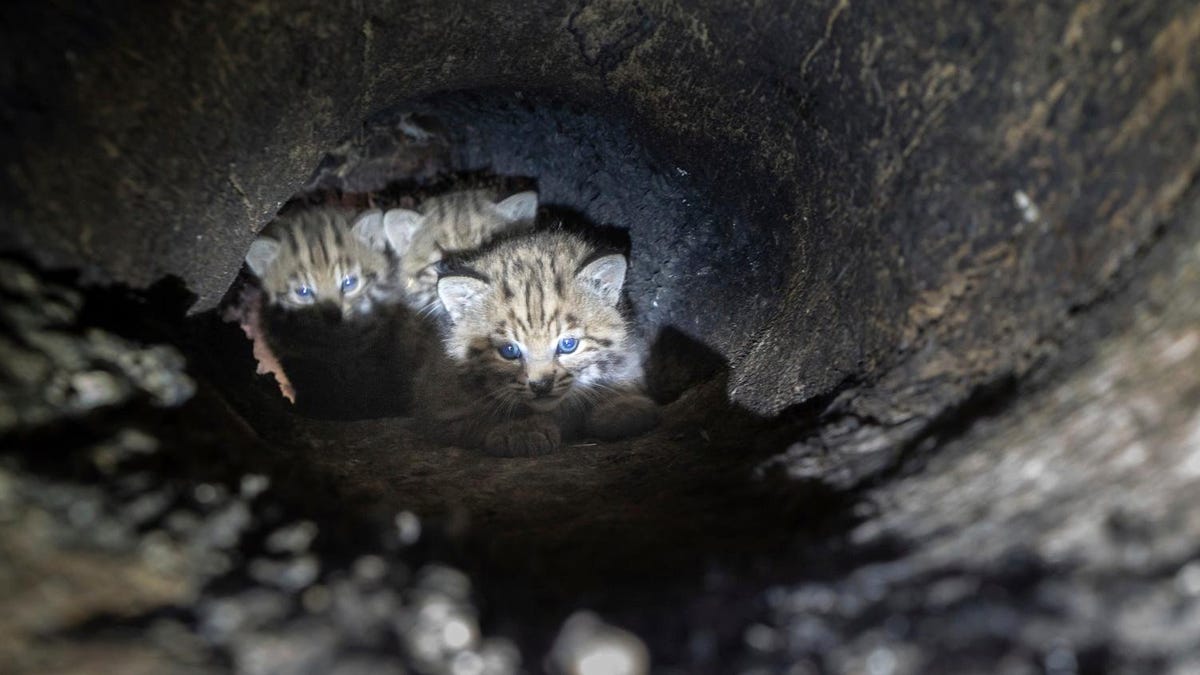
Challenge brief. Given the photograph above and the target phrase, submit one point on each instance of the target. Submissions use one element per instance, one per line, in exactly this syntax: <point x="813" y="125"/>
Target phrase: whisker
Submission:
<point x="429" y="309"/>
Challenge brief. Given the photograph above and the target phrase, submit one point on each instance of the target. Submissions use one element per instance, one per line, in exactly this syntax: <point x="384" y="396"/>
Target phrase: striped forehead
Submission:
<point x="319" y="248"/>
<point x="533" y="293"/>
<point x="461" y="221"/>
<point x="318" y="253"/>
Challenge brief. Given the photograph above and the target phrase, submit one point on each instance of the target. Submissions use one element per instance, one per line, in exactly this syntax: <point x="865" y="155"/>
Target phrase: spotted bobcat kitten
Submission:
<point x="446" y="225"/>
<point x="332" y="313"/>
<point x="538" y="349"/>
<point x="327" y="257"/>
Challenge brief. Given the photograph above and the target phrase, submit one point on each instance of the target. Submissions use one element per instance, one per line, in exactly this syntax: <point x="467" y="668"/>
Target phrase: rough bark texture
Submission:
<point x="941" y="257"/>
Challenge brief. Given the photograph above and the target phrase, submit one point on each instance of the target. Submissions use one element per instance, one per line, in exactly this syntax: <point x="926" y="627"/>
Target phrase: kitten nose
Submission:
<point x="541" y="387"/>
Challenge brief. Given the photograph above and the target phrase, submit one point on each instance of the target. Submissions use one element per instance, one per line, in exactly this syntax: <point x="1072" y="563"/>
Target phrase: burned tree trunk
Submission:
<point x="942" y="254"/>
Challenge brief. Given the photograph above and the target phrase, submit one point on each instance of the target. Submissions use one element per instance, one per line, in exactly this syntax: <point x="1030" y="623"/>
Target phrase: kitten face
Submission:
<point x="319" y="259"/>
<point x="539" y="326"/>
<point x="446" y="225"/>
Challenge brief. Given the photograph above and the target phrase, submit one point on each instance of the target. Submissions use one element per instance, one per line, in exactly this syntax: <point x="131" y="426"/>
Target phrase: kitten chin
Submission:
<point x="543" y="405"/>
<point x="534" y="339"/>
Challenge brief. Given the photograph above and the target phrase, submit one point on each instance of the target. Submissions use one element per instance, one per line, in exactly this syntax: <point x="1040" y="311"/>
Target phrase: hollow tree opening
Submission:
<point x="595" y="512"/>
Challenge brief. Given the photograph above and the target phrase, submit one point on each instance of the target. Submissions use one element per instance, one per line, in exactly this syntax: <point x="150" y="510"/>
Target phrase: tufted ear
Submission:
<point x="368" y="228"/>
<point x="519" y="207"/>
<point x="461" y="295"/>
<point x="400" y="226"/>
<point x="262" y="253"/>
<point x="604" y="277"/>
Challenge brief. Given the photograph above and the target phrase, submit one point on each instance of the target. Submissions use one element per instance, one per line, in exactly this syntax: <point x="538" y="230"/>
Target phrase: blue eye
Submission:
<point x="567" y="345"/>
<point x="304" y="291"/>
<point x="349" y="283"/>
<point x="509" y="351"/>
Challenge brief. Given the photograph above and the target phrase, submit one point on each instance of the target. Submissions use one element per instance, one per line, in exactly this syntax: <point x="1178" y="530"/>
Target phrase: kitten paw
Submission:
<point x="523" y="438"/>
<point x="622" y="417"/>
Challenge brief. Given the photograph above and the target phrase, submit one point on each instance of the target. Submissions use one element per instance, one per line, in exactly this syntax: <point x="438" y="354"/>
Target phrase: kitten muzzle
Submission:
<point x="542" y="388"/>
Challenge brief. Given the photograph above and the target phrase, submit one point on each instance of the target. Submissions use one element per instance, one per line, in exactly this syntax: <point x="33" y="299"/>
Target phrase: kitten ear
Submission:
<point x="262" y="253"/>
<point x="400" y="226"/>
<point x="519" y="207"/>
<point x="605" y="277"/>
<point x="368" y="228"/>
<point x="461" y="295"/>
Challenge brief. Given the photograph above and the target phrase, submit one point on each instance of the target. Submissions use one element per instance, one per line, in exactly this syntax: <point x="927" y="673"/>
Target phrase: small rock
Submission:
<point x="586" y="645"/>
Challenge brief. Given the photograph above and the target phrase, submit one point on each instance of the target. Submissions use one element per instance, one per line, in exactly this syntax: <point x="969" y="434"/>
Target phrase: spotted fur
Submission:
<point x="449" y="225"/>
<point x="308" y="259"/>
<point x="533" y="291"/>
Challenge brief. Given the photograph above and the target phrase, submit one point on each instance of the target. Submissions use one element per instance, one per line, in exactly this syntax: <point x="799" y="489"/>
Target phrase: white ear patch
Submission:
<point x="461" y="295"/>
<point x="605" y="277"/>
<point x="368" y="228"/>
<point x="519" y="207"/>
<point x="400" y="226"/>
<point x="262" y="253"/>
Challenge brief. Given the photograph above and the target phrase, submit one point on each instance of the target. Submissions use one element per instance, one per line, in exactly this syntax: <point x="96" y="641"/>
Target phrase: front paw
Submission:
<point x="523" y="438"/>
<point x="622" y="417"/>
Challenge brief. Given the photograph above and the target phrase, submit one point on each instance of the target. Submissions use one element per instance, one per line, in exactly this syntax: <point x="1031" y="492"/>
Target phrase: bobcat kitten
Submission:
<point x="332" y="312"/>
<point x="320" y="258"/>
<point x="537" y="349"/>
<point x="447" y="225"/>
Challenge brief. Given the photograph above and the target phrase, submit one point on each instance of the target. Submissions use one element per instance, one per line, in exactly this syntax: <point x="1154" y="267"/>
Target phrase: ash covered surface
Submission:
<point x="137" y="535"/>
